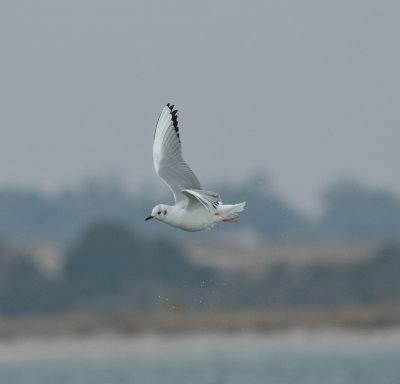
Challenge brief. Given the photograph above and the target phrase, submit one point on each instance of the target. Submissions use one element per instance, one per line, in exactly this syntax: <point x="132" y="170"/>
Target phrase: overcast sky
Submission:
<point x="306" y="91"/>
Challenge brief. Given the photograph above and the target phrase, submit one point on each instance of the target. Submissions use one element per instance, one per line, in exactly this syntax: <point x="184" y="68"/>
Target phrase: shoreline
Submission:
<point x="105" y="346"/>
<point x="175" y="322"/>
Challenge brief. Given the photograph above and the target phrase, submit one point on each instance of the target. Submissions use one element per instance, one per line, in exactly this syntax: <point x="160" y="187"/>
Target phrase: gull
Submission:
<point x="195" y="209"/>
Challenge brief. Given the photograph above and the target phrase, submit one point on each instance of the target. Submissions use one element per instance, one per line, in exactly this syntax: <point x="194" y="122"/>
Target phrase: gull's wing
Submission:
<point x="167" y="155"/>
<point x="209" y="200"/>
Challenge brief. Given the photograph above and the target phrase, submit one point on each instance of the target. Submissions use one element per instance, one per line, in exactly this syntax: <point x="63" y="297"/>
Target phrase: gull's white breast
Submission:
<point x="192" y="220"/>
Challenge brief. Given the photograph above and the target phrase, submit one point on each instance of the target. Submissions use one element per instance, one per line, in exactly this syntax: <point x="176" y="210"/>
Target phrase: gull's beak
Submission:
<point x="148" y="218"/>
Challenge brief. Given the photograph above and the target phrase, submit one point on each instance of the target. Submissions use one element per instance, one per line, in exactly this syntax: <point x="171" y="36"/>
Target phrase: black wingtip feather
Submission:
<point x="174" y="118"/>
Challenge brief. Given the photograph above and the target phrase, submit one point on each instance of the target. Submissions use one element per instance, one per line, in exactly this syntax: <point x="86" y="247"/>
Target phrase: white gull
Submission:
<point x="195" y="209"/>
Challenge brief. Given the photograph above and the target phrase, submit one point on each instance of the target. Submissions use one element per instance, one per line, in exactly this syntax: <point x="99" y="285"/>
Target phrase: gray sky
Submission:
<point x="307" y="91"/>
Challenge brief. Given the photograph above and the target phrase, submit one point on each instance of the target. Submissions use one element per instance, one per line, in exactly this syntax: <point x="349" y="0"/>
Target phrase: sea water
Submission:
<point x="295" y="358"/>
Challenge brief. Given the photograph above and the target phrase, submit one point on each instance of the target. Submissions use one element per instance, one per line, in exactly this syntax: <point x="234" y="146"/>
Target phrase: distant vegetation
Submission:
<point x="122" y="263"/>
<point x="353" y="211"/>
<point x="363" y="282"/>
<point x="107" y="269"/>
<point x="111" y="268"/>
<point x="350" y="210"/>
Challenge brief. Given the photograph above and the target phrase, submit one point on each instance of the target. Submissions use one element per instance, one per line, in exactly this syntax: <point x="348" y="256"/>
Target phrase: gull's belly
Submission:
<point x="195" y="220"/>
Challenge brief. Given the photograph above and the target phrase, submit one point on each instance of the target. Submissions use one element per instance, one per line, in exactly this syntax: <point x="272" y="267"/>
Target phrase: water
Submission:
<point x="206" y="359"/>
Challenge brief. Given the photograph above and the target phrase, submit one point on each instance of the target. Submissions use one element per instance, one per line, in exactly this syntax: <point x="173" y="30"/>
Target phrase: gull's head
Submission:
<point x="159" y="212"/>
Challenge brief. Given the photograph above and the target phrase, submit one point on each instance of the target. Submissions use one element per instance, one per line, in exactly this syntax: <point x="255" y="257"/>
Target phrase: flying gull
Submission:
<point x="195" y="209"/>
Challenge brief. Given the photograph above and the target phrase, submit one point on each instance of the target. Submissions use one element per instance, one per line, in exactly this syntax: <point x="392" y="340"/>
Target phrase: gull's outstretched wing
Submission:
<point x="167" y="155"/>
<point x="209" y="200"/>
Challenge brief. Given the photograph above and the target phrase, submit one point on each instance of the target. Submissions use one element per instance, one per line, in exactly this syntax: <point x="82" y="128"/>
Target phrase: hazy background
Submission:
<point x="306" y="91"/>
<point x="292" y="106"/>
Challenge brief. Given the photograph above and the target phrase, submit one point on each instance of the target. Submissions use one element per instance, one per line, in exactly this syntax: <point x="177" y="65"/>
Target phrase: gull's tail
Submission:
<point x="228" y="211"/>
<point x="237" y="207"/>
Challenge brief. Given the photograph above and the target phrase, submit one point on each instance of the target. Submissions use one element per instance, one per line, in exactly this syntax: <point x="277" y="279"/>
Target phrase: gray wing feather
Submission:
<point x="209" y="200"/>
<point x="167" y="155"/>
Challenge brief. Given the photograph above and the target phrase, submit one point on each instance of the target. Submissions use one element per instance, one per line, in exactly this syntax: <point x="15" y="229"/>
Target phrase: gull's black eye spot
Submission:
<point x="159" y="213"/>
<point x="165" y="212"/>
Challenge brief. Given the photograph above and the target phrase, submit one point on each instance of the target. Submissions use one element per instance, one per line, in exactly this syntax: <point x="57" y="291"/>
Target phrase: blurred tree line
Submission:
<point x="111" y="268"/>
<point x="373" y="281"/>
<point x="350" y="210"/>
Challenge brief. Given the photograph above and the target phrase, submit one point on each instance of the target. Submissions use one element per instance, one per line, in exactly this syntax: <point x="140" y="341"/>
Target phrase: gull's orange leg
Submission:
<point x="230" y="219"/>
